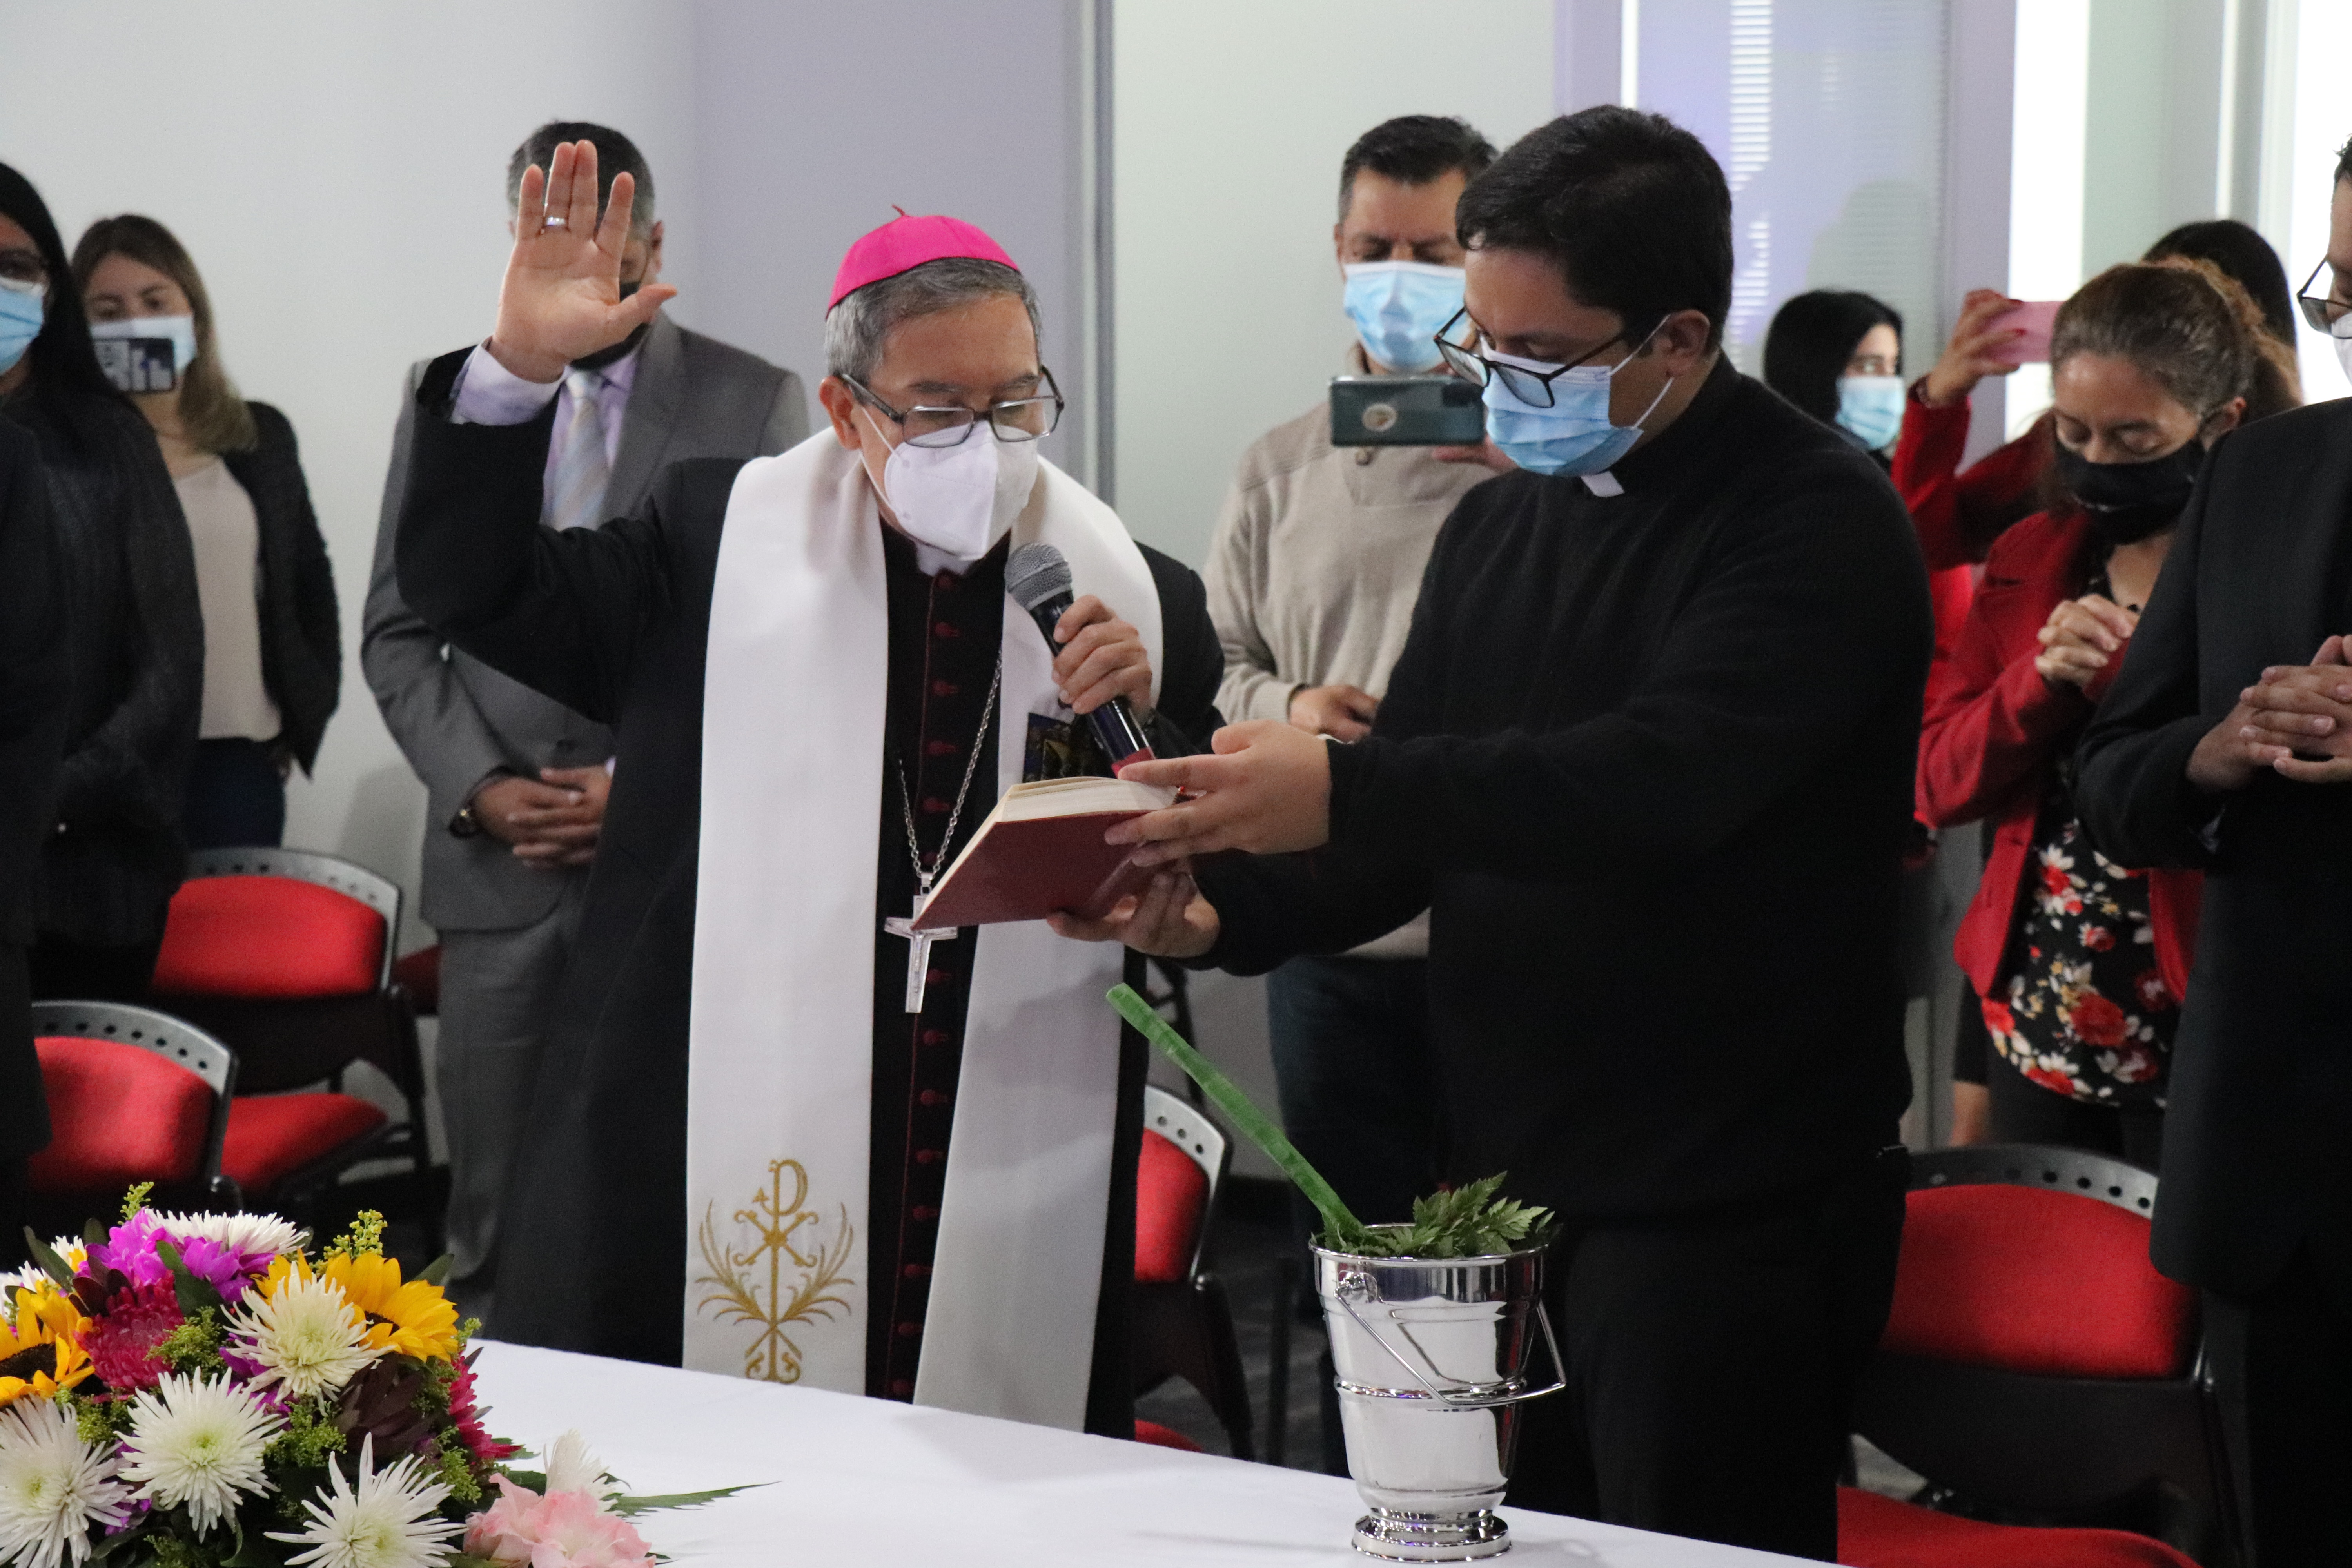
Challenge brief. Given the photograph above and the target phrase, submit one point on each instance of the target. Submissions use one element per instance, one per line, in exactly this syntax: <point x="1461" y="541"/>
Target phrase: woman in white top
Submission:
<point x="273" y="660"/>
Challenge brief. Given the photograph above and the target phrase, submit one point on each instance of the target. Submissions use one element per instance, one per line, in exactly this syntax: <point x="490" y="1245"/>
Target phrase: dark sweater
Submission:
<point x="134" y="654"/>
<point x="32" y="738"/>
<point x="301" y="634"/>
<point x="1647" y="760"/>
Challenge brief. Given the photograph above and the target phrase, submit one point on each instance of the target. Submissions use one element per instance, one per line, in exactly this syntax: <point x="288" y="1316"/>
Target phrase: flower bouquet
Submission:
<point x="205" y="1391"/>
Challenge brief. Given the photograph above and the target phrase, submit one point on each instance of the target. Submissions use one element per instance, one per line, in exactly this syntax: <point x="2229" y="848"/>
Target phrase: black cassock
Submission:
<point x="613" y="623"/>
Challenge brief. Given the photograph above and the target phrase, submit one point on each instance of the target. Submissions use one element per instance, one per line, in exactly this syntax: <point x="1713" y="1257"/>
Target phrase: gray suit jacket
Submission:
<point x="458" y="720"/>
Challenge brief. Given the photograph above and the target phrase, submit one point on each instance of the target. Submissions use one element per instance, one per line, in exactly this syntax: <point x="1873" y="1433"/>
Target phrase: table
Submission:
<point x="870" y="1481"/>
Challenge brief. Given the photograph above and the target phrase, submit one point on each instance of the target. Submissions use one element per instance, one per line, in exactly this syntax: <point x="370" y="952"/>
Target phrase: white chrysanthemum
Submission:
<point x="306" y="1335"/>
<point x="387" y="1523"/>
<point x="53" y="1487"/>
<point x="198" y="1443"/>
<point x="571" y="1468"/>
<point x="236" y="1232"/>
<point x="68" y="1249"/>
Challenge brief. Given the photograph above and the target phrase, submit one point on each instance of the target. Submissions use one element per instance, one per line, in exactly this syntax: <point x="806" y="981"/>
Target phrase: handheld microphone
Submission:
<point x="1038" y="578"/>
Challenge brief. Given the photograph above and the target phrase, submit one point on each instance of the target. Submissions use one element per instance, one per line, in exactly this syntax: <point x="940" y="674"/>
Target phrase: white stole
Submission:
<point x="780" y="1079"/>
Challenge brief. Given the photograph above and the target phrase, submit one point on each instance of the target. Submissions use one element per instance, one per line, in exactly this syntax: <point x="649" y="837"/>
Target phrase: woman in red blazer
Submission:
<point x="2081" y="964"/>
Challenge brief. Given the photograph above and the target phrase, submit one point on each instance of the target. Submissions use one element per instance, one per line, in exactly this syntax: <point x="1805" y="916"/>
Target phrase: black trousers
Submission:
<point x="2025" y="1112"/>
<point x="2284" y="1360"/>
<point x="1711" y="1365"/>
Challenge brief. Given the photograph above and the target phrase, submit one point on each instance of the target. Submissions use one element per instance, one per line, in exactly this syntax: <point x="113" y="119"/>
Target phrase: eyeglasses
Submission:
<point x="1014" y="419"/>
<point x="2325" y="314"/>
<point x="23" y="267"/>
<point x="1532" y="387"/>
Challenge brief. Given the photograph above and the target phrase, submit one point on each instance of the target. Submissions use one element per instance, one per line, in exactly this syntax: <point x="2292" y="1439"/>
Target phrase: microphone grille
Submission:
<point x="1035" y="573"/>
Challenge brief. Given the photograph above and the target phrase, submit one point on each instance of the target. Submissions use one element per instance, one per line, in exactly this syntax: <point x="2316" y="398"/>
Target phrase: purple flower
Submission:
<point x="131" y="1250"/>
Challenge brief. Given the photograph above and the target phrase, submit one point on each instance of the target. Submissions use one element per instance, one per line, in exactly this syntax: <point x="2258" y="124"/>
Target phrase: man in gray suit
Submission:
<point x="517" y="781"/>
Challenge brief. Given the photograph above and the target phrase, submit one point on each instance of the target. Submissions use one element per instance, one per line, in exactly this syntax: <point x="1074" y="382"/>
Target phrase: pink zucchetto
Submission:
<point x="906" y="243"/>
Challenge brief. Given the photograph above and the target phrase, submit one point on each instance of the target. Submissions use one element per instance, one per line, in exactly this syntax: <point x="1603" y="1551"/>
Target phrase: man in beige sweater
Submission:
<point x="1311" y="580"/>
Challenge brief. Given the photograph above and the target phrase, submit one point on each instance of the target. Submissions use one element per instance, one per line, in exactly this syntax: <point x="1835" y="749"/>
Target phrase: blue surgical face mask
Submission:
<point x="1398" y="308"/>
<point x="145" y="353"/>
<point x="1574" y="436"/>
<point x="1870" y="409"/>
<point x="22" y="309"/>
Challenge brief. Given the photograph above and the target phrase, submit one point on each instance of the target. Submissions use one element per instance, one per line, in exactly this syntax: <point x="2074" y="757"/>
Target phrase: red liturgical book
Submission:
<point x="1042" y="850"/>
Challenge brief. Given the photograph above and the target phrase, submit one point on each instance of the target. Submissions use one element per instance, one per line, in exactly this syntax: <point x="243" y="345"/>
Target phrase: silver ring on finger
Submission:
<point x="553" y="223"/>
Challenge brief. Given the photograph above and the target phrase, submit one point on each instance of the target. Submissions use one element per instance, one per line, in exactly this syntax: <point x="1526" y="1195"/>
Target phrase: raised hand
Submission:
<point x="1970" y="357"/>
<point x="561" y="298"/>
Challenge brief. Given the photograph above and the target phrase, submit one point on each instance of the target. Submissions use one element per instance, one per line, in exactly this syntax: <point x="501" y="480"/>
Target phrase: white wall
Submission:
<point x="338" y="172"/>
<point x="1231" y="119"/>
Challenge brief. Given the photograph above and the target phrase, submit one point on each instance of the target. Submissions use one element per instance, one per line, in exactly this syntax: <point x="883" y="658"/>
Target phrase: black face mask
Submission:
<point x="2128" y="501"/>
<point x="619" y="351"/>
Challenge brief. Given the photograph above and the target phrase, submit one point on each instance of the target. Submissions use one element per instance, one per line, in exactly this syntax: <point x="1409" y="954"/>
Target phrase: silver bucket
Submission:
<point x="1431" y="1356"/>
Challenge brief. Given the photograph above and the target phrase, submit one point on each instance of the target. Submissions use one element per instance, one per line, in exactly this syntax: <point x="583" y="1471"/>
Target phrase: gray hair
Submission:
<point x="854" y="330"/>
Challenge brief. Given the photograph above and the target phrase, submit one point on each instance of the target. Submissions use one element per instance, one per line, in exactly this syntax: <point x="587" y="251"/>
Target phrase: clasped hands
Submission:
<point x="1264" y="788"/>
<point x="2297" y="722"/>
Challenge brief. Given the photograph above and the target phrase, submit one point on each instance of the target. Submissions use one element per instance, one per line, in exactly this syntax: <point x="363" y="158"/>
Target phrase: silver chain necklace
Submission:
<point x="919" y="942"/>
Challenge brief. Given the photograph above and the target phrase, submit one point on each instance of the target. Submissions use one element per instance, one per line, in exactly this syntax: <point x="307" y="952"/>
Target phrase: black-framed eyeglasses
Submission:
<point x="21" y="266"/>
<point x="1011" y="419"/>
<point x="1532" y="387"/>
<point x="2323" y="311"/>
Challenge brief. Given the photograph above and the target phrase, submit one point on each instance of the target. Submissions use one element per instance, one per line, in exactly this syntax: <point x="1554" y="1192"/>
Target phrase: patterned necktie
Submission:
<point x="575" y="491"/>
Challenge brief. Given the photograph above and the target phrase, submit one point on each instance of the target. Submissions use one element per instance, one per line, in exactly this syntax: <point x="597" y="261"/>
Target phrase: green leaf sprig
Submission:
<point x="1469" y="1221"/>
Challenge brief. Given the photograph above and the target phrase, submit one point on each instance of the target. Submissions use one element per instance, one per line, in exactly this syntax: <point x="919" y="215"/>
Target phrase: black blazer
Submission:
<point x="32" y="739"/>
<point x="133" y="640"/>
<point x="614" y="623"/>
<point x="2258" y="1135"/>
<point x="301" y="634"/>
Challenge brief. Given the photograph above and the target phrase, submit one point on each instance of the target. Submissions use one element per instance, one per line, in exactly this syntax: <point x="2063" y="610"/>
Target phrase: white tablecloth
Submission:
<point x="869" y="1482"/>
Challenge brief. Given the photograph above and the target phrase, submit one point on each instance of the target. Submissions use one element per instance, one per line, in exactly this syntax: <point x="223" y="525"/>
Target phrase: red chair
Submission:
<point x="287" y="955"/>
<point x="1183" y="1321"/>
<point x="134" y="1096"/>
<point x="419" y="975"/>
<point x="2036" y="1365"/>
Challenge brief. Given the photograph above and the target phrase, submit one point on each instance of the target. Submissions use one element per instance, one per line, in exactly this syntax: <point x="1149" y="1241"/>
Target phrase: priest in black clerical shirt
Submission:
<point x="1646" y="759"/>
<point x="772" y="1136"/>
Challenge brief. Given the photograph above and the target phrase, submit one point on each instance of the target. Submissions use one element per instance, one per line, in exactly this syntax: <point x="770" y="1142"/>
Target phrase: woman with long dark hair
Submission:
<point x="2082" y="965"/>
<point x="273" y="658"/>
<point x="1837" y="355"/>
<point x="133" y="635"/>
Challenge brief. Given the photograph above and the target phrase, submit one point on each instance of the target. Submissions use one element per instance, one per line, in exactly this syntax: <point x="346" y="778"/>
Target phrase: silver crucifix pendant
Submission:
<point x="919" y="945"/>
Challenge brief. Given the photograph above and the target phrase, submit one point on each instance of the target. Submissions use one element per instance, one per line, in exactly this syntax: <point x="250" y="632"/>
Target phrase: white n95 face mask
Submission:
<point x="145" y="353"/>
<point x="959" y="499"/>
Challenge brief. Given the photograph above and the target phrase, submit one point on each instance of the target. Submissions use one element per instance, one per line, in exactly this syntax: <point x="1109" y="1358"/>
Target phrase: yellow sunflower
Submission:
<point x="414" y="1319"/>
<point x="46" y="1322"/>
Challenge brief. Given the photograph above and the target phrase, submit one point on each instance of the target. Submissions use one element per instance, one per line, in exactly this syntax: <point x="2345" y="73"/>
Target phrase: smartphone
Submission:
<point x="2037" y="318"/>
<point x="1406" y="411"/>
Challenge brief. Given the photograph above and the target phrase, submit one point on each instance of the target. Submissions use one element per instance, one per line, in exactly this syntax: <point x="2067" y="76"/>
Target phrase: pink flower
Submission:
<point x="563" y="1529"/>
<point x="122" y="1344"/>
<point x="465" y="1414"/>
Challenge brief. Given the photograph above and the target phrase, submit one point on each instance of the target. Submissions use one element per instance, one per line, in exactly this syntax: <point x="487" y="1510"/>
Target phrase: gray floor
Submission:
<point x="1249" y="1256"/>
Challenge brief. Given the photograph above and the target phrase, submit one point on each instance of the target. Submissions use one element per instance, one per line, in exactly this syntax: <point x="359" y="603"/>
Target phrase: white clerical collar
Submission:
<point x="1603" y="484"/>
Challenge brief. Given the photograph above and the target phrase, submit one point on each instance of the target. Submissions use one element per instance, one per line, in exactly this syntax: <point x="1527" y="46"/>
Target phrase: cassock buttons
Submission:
<point x="908" y="1330"/>
<point x="941" y="748"/>
<point x="929" y="1156"/>
<point x="917" y="1271"/>
<point x="935" y="1097"/>
<point x="938" y="977"/>
<point x="946" y="629"/>
<point x="934" y="805"/>
<point x="902" y="1388"/>
<point x="923" y="1212"/>
<point x="944" y="689"/>
<point x="936" y="1036"/>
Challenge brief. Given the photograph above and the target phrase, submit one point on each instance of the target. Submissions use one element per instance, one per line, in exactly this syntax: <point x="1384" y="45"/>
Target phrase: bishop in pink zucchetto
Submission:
<point x="818" y="688"/>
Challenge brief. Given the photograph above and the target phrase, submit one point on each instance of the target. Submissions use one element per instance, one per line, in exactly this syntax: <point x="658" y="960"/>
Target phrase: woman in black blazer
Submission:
<point x="32" y="737"/>
<point x="131" y="639"/>
<point x="273" y="656"/>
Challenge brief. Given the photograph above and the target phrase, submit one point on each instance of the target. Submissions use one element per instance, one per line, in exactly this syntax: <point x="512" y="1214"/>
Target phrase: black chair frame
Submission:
<point x="184" y="1045"/>
<point x="2057" y="1447"/>
<point x="1184" y="1328"/>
